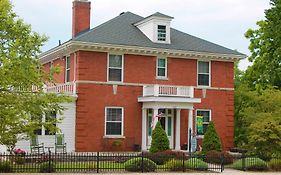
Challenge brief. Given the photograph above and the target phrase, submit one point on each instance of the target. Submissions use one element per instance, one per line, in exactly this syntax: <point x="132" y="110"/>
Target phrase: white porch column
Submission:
<point x="190" y="124"/>
<point x="177" y="144"/>
<point x="154" y="118"/>
<point x="144" y="130"/>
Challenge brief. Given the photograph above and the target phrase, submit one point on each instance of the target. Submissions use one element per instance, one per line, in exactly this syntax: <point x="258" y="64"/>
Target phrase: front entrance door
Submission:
<point x="166" y="123"/>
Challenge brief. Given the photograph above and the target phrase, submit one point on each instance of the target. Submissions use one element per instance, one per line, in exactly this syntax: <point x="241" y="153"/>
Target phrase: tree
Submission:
<point x="160" y="141"/>
<point x="211" y="139"/>
<point x="265" y="47"/>
<point x="265" y="137"/>
<point x="22" y="100"/>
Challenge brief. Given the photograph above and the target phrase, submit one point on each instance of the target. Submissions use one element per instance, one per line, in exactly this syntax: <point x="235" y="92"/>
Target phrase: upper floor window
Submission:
<point x="203" y="121"/>
<point x="115" y="67"/>
<point x="203" y="73"/>
<point x="114" y="121"/>
<point x="161" y="68"/>
<point x="161" y="33"/>
<point x="67" y="69"/>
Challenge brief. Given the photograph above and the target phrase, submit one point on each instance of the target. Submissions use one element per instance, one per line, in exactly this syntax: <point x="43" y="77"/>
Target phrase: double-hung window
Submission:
<point x="203" y="73"/>
<point x="115" y="66"/>
<point x="67" y="69"/>
<point x="114" y="121"/>
<point x="161" y="68"/>
<point x="161" y="29"/>
<point x="206" y="114"/>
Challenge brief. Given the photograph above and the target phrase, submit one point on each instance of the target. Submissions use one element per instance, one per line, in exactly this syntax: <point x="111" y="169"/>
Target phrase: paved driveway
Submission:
<point x="226" y="171"/>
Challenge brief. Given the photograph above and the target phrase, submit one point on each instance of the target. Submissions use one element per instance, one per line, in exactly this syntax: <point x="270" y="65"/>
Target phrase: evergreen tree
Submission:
<point x="211" y="139"/>
<point x="160" y="141"/>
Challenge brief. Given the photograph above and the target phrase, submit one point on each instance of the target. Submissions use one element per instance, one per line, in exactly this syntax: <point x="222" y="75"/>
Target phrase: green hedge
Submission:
<point x="47" y="167"/>
<point x="275" y="164"/>
<point x="196" y="164"/>
<point x="5" y="166"/>
<point x="135" y="165"/>
<point x="251" y="163"/>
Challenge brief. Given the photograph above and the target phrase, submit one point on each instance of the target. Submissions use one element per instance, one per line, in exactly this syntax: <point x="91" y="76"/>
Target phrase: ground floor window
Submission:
<point x="114" y="121"/>
<point x="203" y="117"/>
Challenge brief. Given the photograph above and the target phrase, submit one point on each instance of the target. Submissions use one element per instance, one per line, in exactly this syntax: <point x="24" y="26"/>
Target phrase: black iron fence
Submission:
<point x="97" y="162"/>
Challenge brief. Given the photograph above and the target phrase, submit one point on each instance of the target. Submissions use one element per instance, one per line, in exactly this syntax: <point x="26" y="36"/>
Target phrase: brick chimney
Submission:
<point x="80" y="16"/>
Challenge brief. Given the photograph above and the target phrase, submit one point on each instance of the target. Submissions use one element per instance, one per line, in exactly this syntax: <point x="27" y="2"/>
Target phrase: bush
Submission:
<point x="275" y="164"/>
<point x="217" y="157"/>
<point x="196" y="164"/>
<point x="211" y="139"/>
<point x="47" y="167"/>
<point x="160" y="141"/>
<point x="174" y="165"/>
<point x="135" y="165"/>
<point x="251" y="163"/>
<point x="161" y="157"/>
<point x="19" y="159"/>
<point x="5" y="166"/>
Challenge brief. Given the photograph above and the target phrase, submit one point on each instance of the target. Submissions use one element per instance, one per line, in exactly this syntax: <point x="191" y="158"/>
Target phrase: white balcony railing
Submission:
<point x="166" y="90"/>
<point x="65" y="88"/>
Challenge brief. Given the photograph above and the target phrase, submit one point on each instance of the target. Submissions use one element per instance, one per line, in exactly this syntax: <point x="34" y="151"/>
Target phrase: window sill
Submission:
<point x="114" y="137"/>
<point x="162" y="78"/>
<point x="203" y="87"/>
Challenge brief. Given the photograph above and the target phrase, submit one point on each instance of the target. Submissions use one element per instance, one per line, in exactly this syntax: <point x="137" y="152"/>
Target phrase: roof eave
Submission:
<point x="73" y="46"/>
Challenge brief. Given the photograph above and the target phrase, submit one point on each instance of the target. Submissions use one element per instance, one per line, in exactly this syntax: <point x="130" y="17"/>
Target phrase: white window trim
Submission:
<point x="67" y="69"/>
<point x="166" y="69"/>
<point x="122" y="71"/>
<point x="210" y="73"/>
<point x="122" y="123"/>
<point x="210" y="119"/>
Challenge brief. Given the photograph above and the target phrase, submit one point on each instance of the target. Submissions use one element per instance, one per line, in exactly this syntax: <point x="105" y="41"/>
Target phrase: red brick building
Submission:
<point x="130" y="69"/>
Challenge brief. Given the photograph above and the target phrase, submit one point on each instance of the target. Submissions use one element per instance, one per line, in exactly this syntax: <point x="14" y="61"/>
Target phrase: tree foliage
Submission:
<point x="22" y="100"/>
<point x="211" y="139"/>
<point x="265" y="47"/>
<point x="160" y="141"/>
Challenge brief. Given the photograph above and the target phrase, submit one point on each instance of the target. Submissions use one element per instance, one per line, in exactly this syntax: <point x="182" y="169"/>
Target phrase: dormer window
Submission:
<point x="156" y="27"/>
<point x="161" y="33"/>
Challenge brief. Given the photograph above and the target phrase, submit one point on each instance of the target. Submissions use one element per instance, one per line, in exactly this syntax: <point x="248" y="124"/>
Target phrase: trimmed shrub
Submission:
<point x="135" y="165"/>
<point x="196" y="164"/>
<point x="5" y="166"/>
<point x="275" y="164"/>
<point x="19" y="160"/>
<point x="217" y="157"/>
<point x="251" y="163"/>
<point x="47" y="167"/>
<point x="211" y="139"/>
<point x="161" y="157"/>
<point x="160" y="141"/>
<point x="174" y="165"/>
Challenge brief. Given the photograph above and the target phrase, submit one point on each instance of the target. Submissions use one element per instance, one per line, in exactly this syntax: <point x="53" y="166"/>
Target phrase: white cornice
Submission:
<point x="73" y="46"/>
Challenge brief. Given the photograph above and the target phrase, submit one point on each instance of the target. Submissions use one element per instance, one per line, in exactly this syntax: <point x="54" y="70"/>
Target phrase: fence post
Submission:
<point x="243" y="161"/>
<point x="98" y="162"/>
<point x="49" y="159"/>
<point x="142" y="162"/>
<point x="183" y="169"/>
<point x="222" y="163"/>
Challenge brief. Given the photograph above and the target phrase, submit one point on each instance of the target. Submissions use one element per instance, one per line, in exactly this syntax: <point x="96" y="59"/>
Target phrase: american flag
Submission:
<point x="161" y="114"/>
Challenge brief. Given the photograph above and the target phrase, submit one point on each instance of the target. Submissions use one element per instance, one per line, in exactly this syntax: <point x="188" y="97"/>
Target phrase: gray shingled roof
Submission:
<point x="121" y="31"/>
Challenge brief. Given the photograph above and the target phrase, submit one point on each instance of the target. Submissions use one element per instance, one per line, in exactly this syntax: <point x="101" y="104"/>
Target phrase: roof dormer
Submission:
<point x="156" y="27"/>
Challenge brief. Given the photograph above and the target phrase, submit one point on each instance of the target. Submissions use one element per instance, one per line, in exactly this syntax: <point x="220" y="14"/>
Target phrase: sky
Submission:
<point x="223" y="22"/>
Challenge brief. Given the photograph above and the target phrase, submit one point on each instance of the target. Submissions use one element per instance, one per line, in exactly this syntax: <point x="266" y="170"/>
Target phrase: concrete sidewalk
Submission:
<point x="226" y="171"/>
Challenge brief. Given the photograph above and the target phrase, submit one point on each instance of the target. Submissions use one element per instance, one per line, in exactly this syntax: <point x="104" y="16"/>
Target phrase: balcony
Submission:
<point x="168" y="91"/>
<point x="68" y="88"/>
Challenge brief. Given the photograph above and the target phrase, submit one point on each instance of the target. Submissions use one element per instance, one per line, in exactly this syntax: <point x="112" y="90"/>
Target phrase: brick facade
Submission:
<point x="94" y="95"/>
